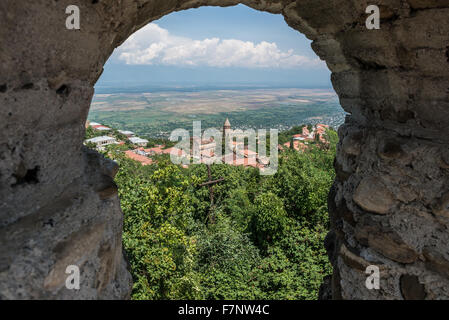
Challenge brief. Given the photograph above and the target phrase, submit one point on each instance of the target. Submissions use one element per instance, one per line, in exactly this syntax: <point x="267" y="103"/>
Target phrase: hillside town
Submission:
<point x="138" y="149"/>
<point x="300" y="141"/>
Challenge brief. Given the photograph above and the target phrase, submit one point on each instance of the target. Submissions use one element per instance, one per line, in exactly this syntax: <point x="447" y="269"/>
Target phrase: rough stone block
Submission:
<point x="373" y="196"/>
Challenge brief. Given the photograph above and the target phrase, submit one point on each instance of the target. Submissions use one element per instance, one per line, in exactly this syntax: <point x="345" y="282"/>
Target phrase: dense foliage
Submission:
<point x="261" y="239"/>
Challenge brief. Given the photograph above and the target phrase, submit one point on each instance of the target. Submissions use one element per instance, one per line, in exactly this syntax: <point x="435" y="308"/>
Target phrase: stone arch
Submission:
<point x="388" y="205"/>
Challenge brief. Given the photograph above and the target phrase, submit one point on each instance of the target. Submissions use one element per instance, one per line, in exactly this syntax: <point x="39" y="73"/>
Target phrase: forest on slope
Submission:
<point x="262" y="238"/>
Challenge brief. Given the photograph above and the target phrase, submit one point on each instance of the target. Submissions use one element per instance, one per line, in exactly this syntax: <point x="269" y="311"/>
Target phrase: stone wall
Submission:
<point x="389" y="203"/>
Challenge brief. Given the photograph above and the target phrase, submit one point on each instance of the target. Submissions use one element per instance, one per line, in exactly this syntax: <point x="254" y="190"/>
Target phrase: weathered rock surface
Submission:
<point x="373" y="196"/>
<point x="58" y="203"/>
<point x="411" y="288"/>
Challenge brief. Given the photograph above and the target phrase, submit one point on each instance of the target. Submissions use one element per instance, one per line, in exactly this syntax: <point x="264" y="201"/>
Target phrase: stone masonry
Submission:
<point x="389" y="204"/>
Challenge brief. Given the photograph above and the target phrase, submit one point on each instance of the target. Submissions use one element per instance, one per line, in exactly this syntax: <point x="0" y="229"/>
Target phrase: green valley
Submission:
<point x="156" y="114"/>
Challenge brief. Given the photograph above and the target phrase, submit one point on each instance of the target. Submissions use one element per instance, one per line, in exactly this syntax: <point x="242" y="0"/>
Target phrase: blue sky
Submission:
<point x="213" y="45"/>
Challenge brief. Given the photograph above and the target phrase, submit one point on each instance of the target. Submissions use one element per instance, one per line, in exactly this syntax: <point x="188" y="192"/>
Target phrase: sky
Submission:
<point x="216" y="46"/>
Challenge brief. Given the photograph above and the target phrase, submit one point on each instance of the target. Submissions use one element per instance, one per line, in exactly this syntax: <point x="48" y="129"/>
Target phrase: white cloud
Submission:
<point x="153" y="45"/>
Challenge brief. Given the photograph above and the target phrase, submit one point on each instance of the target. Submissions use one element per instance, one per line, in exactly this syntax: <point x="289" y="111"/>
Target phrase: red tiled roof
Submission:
<point x="137" y="157"/>
<point x="156" y="150"/>
<point x="247" y="153"/>
<point x="197" y="139"/>
<point x="207" y="153"/>
<point x="305" y="131"/>
<point x="247" y="162"/>
<point x="232" y="159"/>
<point x="177" y="151"/>
<point x="100" y="126"/>
<point x="297" y="145"/>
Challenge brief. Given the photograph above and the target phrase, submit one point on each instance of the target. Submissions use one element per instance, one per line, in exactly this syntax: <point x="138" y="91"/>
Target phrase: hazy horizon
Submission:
<point x="213" y="46"/>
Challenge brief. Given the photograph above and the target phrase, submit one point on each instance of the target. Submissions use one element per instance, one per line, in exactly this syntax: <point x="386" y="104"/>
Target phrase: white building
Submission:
<point x="138" y="141"/>
<point x="102" y="141"/>
<point x="264" y="161"/>
<point x="102" y="128"/>
<point x="127" y="133"/>
<point x="141" y="152"/>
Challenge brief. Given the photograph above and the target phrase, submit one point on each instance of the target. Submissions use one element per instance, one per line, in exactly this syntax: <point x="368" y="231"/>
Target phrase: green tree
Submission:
<point x="266" y="242"/>
<point x="268" y="220"/>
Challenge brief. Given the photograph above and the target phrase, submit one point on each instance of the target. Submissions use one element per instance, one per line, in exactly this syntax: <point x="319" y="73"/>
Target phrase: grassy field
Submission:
<point x="156" y="114"/>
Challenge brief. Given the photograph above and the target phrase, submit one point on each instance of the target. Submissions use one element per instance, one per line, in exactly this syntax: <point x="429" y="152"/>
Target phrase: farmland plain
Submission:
<point x="155" y="113"/>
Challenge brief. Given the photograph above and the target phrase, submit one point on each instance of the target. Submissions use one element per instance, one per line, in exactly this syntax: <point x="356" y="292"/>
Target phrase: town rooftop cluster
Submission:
<point x="301" y="140"/>
<point x="240" y="154"/>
